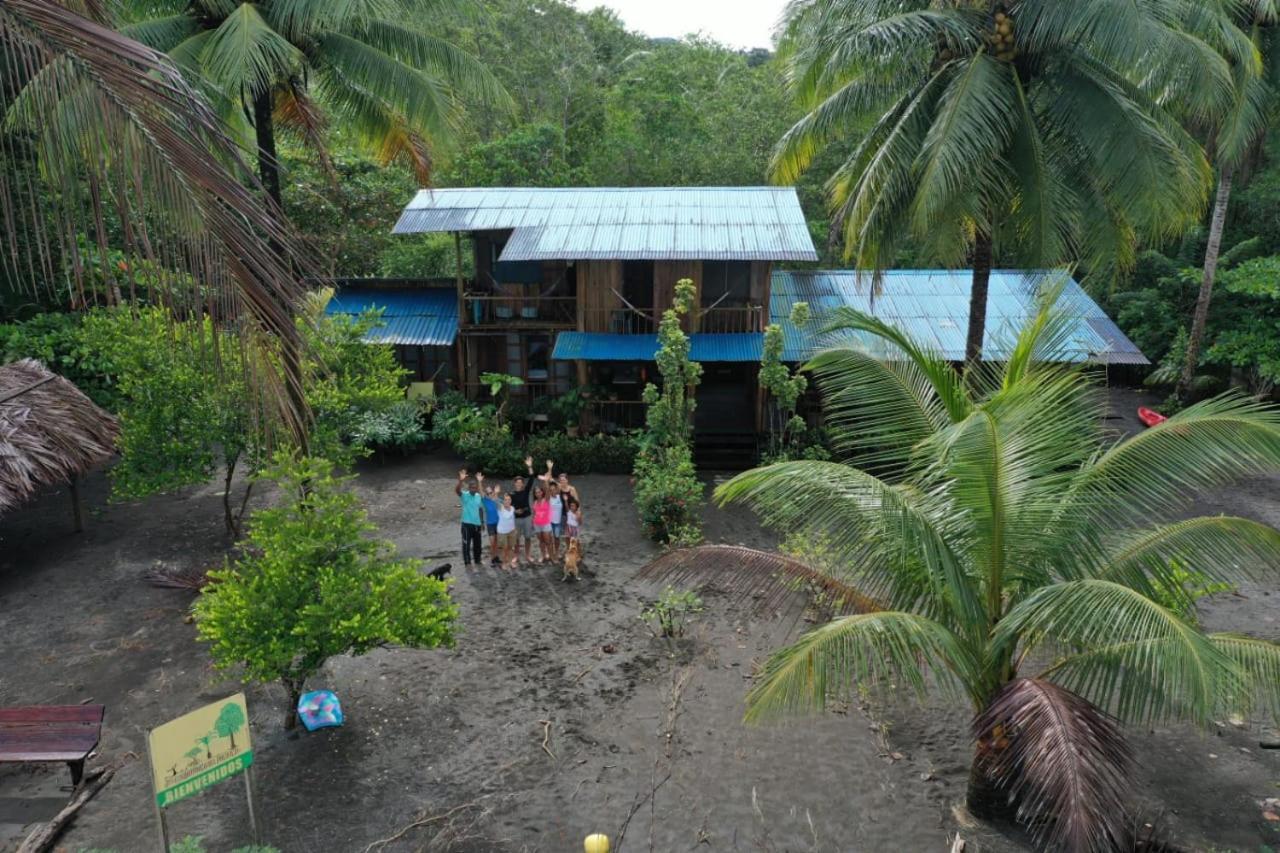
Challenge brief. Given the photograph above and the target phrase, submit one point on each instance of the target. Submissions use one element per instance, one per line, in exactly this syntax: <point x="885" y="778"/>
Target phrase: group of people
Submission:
<point x="546" y="508"/>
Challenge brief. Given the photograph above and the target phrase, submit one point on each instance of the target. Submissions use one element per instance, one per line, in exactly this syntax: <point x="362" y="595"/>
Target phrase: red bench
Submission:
<point x="38" y="733"/>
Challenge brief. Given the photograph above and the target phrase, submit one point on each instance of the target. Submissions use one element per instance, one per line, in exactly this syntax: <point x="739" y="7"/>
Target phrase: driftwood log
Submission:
<point x="42" y="837"/>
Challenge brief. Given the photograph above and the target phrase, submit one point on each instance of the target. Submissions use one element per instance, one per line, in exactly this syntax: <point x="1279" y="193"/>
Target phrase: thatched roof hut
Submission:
<point x="50" y="432"/>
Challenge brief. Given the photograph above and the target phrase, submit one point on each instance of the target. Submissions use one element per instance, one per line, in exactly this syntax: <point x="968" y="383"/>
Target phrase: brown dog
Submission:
<point x="572" y="559"/>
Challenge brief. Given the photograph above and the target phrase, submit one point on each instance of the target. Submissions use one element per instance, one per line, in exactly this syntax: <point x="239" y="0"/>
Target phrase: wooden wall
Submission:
<point x="665" y="276"/>
<point x="599" y="283"/>
<point x="761" y="272"/>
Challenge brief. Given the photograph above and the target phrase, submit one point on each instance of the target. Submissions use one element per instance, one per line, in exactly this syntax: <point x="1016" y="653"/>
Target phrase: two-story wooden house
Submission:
<point x="570" y="284"/>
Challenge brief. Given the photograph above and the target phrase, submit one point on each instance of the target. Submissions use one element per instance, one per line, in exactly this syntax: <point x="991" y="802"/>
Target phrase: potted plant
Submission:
<point x="568" y="408"/>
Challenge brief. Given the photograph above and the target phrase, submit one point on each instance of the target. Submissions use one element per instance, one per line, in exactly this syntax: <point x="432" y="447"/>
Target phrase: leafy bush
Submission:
<point x="669" y="615"/>
<point x="56" y="340"/>
<point x="668" y="495"/>
<point x="588" y="454"/>
<point x="1195" y="584"/>
<point x="398" y="428"/>
<point x="425" y="256"/>
<point x="492" y="449"/>
<point x="312" y="584"/>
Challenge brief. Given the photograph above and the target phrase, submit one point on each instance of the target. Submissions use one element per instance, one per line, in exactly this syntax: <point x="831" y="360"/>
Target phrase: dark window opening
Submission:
<point x="726" y="284"/>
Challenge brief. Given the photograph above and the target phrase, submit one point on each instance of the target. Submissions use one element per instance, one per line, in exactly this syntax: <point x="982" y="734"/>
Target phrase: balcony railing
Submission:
<point x="747" y="318"/>
<point x="627" y="321"/>
<point x="613" y="415"/>
<point x="506" y="311"/>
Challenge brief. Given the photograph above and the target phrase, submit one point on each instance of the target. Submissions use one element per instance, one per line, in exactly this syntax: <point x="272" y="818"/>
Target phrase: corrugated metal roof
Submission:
<point x="600" y="346"/>
<point x="933" y="307"/>
<point x="671" y="223"/>
<point x="410" y="317"/>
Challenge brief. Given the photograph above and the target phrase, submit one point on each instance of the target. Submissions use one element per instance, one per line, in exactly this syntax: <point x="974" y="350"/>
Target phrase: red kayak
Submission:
<point x="1150" y="417"/>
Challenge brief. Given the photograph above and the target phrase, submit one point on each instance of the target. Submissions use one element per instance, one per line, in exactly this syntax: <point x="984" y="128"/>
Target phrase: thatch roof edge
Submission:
<point x="50" y="432"/>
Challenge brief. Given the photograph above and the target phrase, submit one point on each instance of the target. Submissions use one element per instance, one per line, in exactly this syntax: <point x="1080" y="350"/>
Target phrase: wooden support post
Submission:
<point x="75" y="504"/>
<point x="462" y="309"/>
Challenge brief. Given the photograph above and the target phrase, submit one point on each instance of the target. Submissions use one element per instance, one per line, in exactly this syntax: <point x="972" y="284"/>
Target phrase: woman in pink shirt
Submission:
<point x="542" y="521"/>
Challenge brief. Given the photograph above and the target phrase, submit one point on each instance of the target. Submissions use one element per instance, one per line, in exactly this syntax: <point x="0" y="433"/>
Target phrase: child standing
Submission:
<point x="557" y="518"/>
<point x="572" y="519"/>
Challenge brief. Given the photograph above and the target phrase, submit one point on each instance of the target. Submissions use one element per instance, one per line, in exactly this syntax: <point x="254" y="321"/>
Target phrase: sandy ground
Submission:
<point x="646" y="736"/>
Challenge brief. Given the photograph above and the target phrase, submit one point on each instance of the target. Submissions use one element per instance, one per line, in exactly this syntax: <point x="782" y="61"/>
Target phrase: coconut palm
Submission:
<point x="295" y="63"/>
<point x="985" y="536"/>
<point x="1234" y="140"/>
<point x="1034" y="131"/>
<point x="106" y="152"/>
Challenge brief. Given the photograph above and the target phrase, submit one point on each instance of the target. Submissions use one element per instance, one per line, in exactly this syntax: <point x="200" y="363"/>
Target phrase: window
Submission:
<point x="539" y="358"/>
<point x="726" y="283"/>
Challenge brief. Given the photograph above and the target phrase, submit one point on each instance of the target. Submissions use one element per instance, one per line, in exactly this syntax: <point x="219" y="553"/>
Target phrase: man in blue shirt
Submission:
<point x="472" y="515"/>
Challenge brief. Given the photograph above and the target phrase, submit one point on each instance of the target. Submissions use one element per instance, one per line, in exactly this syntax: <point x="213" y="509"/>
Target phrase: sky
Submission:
<point x="736" y="23"/>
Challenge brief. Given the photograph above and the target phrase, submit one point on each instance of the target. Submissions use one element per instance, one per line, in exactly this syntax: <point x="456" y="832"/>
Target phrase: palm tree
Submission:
<point x="294" y="63"/>
<point x="106" y="147"/>
<point x="1037" y="132"/>
<point x="1236" y="137"/>
<point x="984" y="536"/>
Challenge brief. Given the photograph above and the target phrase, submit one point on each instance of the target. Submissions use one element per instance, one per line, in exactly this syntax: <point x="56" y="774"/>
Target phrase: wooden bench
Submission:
<point x="40" y="733"/>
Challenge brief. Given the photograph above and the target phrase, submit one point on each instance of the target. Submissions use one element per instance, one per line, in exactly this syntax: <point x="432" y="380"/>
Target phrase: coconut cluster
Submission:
<point x="1001" y="37"/>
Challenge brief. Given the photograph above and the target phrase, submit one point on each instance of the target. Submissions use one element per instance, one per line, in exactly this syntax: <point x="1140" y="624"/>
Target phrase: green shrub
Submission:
<point x="312" y="583"/>
<point x="668" y="495"/>
<point x="56" y="340"/>
<point x="670" y="614"/>
<point x="398" y="428"/>
<point x="588" y="454"/>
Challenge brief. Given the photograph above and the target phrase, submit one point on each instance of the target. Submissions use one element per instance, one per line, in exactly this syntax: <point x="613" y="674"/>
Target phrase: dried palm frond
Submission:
<point x="105" y="147"/>
<point x="1064" y="761"/>
<point x="193" y="578"/>
<point x="766" y="577"/>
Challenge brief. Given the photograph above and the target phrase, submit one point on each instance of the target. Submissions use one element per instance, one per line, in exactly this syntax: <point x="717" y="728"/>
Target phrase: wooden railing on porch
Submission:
<point x="613" y="415"/>
<point x="628" y="321"/>
<point x="513" y="311"/>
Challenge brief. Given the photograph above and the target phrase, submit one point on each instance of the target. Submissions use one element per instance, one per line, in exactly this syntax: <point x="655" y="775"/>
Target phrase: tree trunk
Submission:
<point x="228" y="517"/>
<point x="978" y="300"/>
<point x="291" y="713"/>
<point x="1201" y="317"/>
<point x="984" y="798"/>
<point x="264" y="128"/>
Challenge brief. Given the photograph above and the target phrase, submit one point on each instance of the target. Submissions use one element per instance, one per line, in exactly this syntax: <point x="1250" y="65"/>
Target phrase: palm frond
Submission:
<point x="468" y="77"/>
<point x="871" y="649"/>
<point x="1259" y="661"/>
<point x="1128" y="652"/>
<point x="162" y="33"/>
<point x="245" y="55"/>
<point x="895" y="540"/>
<point x="295" y="111"/>
<point x="764" y="577"/>
<point x="1222" y="548"/>
<point x="1065" y="763"/>
<point x="153" y="153"/>
<point x="1206" y="445"/>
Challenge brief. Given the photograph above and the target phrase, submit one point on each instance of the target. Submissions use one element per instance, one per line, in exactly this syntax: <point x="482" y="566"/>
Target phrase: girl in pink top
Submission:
<point x="542" y="521"/>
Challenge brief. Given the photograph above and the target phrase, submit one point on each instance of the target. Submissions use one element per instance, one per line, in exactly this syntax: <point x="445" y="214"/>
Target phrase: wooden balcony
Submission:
<point x="508" y="312"/>
<point x="614" y="415"/>
<point x="628" y="321"/>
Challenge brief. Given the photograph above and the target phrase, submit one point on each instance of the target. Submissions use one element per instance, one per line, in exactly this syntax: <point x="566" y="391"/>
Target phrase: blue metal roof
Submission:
<point x="933" y="307"/>
<point x="410" y="317"/>
<point x="659" y="223"/>
<point x="601" y="346"/>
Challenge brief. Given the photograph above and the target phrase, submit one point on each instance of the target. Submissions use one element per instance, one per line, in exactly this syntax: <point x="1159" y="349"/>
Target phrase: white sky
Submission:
<point x="736" y="23"/>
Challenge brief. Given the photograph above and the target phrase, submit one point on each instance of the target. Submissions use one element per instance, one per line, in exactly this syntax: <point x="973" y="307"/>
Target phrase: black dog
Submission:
<point x="440" y="571"/>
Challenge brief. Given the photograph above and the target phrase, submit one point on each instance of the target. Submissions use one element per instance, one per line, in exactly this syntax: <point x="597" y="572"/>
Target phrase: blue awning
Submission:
<point x="601" y="346"/>
<point x="426" y="317"/>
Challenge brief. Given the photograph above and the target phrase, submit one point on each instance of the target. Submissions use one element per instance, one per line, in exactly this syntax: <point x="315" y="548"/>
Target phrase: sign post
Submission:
<point x="198" y="750"/>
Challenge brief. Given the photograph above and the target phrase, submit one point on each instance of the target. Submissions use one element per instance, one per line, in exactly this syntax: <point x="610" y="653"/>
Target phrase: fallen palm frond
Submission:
<point x="193" y="578"/>
<point x="1064" y="761"/>
<point x="767" y="578"/>
<point x="50" y="432"/>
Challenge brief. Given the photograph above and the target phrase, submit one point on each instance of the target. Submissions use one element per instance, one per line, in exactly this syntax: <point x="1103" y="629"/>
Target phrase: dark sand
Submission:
<point x="459" y="732"/>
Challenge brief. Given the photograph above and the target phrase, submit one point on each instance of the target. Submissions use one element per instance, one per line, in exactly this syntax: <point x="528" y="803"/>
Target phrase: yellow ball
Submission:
<point x="598" y="843"/>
